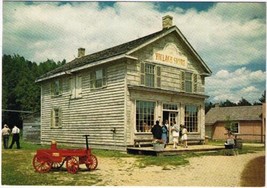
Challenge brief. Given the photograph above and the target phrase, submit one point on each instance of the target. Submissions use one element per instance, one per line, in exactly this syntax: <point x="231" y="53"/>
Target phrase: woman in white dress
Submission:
<point x="175" y="134"/>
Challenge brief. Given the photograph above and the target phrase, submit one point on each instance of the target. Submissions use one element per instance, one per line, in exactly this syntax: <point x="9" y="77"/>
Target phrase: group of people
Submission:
<point x="15" y="136"/>
<point x="179" y="133"/>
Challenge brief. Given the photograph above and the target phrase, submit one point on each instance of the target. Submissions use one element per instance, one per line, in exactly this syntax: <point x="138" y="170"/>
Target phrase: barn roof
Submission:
<point x="116" y="51"/>
<point x="236" y="113"/>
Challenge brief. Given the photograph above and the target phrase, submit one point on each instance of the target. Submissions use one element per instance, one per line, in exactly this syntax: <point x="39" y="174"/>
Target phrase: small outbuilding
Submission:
<point x="248" y="122"/>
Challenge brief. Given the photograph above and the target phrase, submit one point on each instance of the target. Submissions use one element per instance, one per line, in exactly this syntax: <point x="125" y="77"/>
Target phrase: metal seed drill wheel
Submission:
<point x="72" y="165"/>
<point x="92" y="162"/>
<point x="41" y="164"/>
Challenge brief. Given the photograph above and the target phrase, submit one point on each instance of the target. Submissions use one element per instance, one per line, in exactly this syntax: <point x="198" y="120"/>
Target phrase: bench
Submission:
<point x="138" y="141"/>
<point x="200" y="140"/>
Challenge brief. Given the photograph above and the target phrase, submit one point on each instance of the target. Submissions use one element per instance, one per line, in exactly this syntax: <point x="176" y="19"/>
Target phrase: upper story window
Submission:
<point x="188" y="82"/>
<point x="56" y="87"/>
<point x="98" y="78"/>
<point x="150" y="75"/>
<point x="76" y="86"/>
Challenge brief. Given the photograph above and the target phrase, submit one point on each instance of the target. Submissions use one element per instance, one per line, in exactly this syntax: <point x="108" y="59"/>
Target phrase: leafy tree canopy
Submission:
<point x="19" y="90"/>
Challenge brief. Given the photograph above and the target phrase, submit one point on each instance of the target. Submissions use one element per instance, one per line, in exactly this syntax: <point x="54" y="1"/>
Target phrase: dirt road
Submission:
<point x="202" y="171"/>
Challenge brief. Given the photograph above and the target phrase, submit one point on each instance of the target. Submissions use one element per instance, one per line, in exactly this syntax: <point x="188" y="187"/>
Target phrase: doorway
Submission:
<point x="171" y="117"/>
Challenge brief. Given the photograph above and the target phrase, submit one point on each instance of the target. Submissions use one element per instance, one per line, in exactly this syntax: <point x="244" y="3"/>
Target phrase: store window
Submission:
<point x="98" y="78"/>
<point x="191" y="118"/>
<point x="145" y="113"/>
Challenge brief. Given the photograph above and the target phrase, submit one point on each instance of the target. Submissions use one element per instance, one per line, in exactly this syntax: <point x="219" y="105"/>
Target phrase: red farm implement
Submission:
<point x="54" y="158"/>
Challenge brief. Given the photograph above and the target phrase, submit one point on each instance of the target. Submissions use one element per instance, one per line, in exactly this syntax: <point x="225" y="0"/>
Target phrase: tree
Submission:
<point x="229" y="125"/>
<point x="208" y="106"/>
<point x="243" y="102"/>
<point x="227" y="103"/>
<point x="19" y="90"/>
<point x="263" y="97"/>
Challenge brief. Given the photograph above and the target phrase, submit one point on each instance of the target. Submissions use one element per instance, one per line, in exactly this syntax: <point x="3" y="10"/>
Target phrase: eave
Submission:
<point x="123" y="56"/>
<point x="168" y="31"/>
<point x="164" y="91"/>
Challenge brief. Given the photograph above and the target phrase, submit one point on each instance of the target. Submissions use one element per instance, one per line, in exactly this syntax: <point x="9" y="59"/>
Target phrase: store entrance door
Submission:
<point x="171" y="117"/>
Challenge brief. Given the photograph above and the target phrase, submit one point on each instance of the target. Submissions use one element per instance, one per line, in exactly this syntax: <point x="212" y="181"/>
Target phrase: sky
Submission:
<point x="229" y="37"/>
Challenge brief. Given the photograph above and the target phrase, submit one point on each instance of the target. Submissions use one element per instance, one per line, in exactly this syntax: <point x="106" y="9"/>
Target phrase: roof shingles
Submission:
<point x="108" y="53"/>
<point x="237" y="113"/>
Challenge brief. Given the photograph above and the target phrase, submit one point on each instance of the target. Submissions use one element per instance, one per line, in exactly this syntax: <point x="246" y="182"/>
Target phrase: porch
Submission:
<point x="169" y="150"/>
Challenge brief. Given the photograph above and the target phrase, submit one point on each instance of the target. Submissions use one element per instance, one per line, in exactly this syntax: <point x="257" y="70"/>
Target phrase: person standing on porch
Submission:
<point x="157" y="131"/>
<point x="168" y="128"/>
<point x="175" y="134"/>
<point x="184" y="136"/>
<point x="164" y="134"/>
<point x="15" y="138"/>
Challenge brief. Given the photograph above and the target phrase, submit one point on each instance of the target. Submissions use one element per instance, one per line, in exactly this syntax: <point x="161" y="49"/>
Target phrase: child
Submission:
<point x="184" y="136"/>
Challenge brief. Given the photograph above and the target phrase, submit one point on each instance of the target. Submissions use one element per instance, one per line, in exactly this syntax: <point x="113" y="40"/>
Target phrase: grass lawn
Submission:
<point x="17" y="168"/>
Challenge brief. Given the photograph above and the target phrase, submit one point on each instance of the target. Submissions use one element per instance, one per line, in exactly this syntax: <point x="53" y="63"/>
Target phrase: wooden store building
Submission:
<point x="117" y="94"/>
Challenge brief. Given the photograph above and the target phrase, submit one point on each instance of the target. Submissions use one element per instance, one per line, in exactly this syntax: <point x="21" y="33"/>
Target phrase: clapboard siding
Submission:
<point x="170" y="75"/>
<point x="96" y="113"/>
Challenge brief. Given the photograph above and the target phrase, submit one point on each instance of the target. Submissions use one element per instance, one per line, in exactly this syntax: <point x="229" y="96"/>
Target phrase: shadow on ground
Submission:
<point x="254" y="173"/>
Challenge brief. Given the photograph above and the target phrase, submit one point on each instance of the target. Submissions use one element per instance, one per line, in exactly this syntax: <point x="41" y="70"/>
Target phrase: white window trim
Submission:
<point x="53" y="122"/>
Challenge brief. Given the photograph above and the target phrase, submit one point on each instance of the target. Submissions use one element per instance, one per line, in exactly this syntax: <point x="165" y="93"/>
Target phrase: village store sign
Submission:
<point x="170" y="54"/>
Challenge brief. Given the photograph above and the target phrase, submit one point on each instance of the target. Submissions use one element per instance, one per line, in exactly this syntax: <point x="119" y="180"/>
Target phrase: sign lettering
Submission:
<point x="170" y="54"/>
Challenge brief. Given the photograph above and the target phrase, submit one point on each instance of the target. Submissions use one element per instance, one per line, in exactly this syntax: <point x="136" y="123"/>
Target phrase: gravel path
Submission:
<point x="202" y="171"/>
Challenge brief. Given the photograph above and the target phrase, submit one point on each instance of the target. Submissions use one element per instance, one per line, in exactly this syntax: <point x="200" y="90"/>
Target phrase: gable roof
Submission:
<point x="122" y="49"/>
<point x="236" y="113"/>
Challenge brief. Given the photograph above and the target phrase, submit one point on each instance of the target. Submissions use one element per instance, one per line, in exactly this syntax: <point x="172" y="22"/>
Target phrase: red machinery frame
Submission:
<point x="46" y="159"/>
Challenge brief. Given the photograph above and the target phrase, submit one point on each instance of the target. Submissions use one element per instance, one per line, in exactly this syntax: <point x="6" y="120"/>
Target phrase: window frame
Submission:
<point x="189" y="82"/>
<point x="236" y="124"/>
<point x="191" y="120"/>
<point x="56" y="87"/>
<point x="150" y="72"/>
<point x="145" y="112"/>
<point x="76" y="86"/>
<point x="56" y="121"/>
<point x="94" y="81"/>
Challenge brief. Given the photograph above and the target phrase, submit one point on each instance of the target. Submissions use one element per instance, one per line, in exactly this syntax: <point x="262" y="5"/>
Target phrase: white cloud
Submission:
<point x="227" y="36"/>
<point x="47" y="30"/>
<point x="235" y="85"/>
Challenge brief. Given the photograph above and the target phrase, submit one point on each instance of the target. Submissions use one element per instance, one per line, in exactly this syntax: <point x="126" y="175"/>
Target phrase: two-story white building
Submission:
<point x="117" y="94"/>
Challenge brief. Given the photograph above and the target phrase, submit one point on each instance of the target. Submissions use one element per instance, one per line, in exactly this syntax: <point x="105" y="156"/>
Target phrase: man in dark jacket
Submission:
<point x="156" y="131"/>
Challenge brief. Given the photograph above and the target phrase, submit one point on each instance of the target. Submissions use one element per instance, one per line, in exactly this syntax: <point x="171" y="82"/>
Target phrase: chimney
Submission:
<point x="166" y="22"/>
<point x="81" y="52"/>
